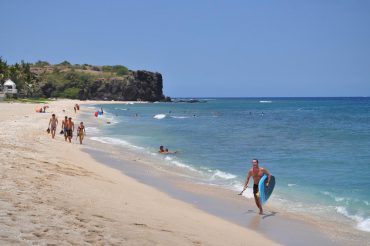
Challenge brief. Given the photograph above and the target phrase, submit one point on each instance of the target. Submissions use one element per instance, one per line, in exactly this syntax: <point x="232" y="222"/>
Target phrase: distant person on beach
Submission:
<point x="74" y="108"/>
<point x="81" y="132"/>
<point x="64" y="127"/>
<point x="53" y="122"/>
<point x="70" y="128"/>
<point x="256" y="172"/>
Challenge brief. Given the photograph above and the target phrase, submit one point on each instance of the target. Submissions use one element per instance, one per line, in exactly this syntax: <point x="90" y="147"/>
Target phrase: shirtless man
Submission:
<point x="53" y="122"/>
<point x="70" y="126"/>
<point x="256" y="172"/>
<point x="64" y="127"/>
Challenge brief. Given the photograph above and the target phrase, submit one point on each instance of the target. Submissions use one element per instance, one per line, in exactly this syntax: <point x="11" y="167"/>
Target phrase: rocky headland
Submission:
<point x="84" y="82"/>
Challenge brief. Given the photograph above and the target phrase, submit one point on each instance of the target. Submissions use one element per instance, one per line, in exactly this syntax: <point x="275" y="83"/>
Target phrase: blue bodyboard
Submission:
<point x="263" y="192"/>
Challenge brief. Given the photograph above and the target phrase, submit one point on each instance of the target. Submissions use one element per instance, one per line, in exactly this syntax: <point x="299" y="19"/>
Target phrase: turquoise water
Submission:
<point x="317" y="148"/>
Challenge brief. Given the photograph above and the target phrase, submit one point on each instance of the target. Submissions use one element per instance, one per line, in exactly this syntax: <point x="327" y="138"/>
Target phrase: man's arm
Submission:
<point x="268" y="176"/>
<point x="247" y="180"/>
<point x="49" y="123"/>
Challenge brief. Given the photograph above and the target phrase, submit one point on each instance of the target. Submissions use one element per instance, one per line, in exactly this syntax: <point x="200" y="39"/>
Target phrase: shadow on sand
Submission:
<point x="254" y="223"/>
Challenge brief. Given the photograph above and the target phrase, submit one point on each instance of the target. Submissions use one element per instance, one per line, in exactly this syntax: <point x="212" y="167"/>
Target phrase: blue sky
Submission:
<point x="203" y="48"/>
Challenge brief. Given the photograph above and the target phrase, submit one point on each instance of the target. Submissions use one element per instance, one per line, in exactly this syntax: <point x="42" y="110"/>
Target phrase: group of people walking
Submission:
<point x="68" y="128"/>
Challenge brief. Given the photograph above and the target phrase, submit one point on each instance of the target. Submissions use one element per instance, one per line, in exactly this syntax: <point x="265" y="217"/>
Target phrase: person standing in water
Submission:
<point x="256" y="172"/>
<point x="53" y="122"/>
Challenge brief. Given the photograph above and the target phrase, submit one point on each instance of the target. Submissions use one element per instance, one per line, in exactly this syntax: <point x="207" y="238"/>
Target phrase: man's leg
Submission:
<point x="257" y="200"/>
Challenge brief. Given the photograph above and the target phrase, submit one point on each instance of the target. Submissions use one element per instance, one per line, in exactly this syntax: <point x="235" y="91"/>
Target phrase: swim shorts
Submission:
<point x="255" y="189"/>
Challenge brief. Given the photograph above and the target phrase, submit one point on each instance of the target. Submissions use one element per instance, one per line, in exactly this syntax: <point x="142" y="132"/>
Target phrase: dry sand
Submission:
<point x="53" y="193"/>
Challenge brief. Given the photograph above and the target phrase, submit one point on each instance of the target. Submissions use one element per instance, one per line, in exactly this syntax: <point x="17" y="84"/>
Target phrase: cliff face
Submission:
<point x="138" y="85"/>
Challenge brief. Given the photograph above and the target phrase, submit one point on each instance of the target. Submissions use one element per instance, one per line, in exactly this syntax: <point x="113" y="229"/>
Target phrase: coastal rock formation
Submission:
<point x="138" y="85"/>
<point x="83" y="81"/>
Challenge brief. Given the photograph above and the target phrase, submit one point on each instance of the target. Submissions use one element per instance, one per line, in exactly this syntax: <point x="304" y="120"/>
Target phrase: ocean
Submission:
<point x="317" y="148"/>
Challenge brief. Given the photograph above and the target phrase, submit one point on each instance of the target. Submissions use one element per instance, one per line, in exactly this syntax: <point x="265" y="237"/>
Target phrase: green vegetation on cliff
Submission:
<point x="41" y="79"/>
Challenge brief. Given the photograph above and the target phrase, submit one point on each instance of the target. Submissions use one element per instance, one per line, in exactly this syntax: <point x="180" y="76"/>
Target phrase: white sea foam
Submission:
<point x="336" y="198"/>
<point x="109" y="140"/>
<point x="115" y="141"/>
<point x="290" y="185"/>
<point x="180" y="117"/>
<point x="265" y="101"/>
<point x="248" y="193"/>
<point x="326" y="193"/>
<point x="182" y="165"/>
<point x="339" y="199"/>
<point x="363" y="224"/>
<point x="159" y="116"/>
<point x="223" y="175"/>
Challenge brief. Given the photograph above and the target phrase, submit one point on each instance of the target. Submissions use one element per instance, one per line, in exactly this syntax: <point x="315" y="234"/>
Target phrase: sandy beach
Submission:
<point x="53" y="193"/>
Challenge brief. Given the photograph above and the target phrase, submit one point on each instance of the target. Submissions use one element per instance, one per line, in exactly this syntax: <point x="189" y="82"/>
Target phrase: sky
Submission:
<point x="203" y="48"/>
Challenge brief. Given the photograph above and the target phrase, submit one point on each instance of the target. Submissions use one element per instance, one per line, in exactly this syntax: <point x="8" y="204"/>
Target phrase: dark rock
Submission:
<point x="191" y="101"/>
<point x="137" y="86"/>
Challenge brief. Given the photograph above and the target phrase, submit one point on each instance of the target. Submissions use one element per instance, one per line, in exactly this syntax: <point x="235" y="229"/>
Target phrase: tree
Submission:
<point x="4" y="69"/>
<point x="65" y="63"/>
<point x="40" y="63"/>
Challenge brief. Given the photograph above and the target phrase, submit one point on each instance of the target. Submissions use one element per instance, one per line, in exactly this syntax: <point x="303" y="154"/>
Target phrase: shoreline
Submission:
<point x="201" y="195"/>
<point x="223" y="204"/>
<point x="328" y="231"/>
<point x="219" y="202"/>
<point x="54" y="193"/>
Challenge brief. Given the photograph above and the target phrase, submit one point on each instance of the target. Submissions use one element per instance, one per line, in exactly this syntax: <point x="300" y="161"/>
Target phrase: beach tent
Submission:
<point x="10" y="87"/>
